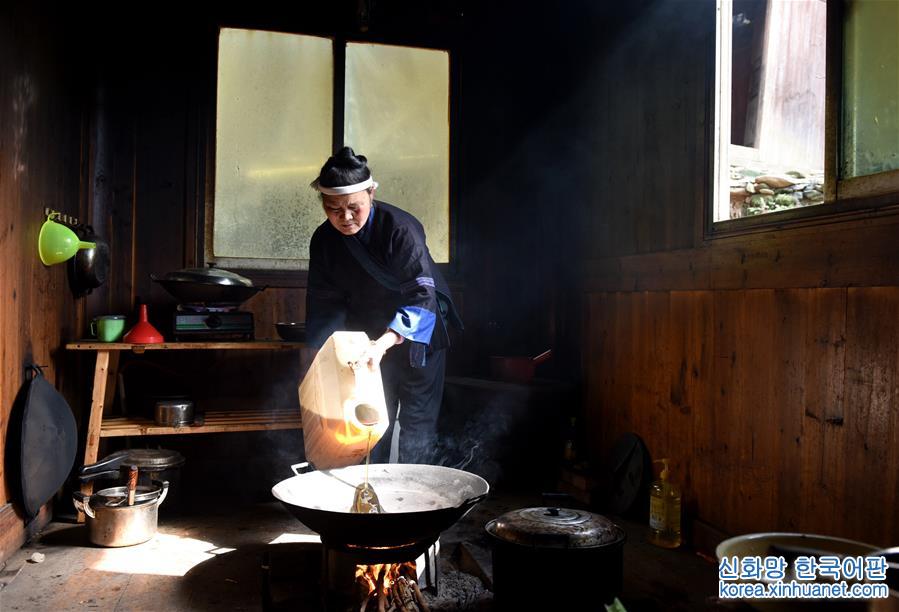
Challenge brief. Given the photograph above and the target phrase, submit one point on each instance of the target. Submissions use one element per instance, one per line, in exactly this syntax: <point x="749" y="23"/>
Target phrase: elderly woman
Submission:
<point x="370" y="270"/>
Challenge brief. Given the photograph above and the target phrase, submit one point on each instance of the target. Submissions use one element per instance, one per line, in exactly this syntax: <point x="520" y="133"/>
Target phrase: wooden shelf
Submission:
<point x="247" y="345"/>
<point x="214" y="421"/>
<point x="217" y="421"/>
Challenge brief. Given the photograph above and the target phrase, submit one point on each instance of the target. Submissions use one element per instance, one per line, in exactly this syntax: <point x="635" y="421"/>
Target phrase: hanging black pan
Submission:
<point x="419" y="502"/>
<point x="209" y="286"/>
<point x="89" y="268"/>
<point x="48" y="442"/>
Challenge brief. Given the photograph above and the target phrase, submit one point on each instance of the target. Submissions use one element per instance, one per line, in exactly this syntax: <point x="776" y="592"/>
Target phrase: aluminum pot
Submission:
<point x="586" y="549"/>
<point x="174" y="412"/>
<point x="112" y="522"/>
<point x="152" y="463"/>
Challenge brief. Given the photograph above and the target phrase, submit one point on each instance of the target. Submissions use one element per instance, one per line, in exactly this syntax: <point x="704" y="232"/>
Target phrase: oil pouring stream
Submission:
<point x="365" y="500"/>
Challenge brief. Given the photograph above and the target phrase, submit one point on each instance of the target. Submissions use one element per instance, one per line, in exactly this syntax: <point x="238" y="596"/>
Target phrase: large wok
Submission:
<point x="419" y="502"/>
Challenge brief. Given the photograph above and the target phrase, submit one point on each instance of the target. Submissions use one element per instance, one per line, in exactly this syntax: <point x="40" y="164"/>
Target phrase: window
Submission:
<point x="276" y="123"/>
<point x="411" y="88"/>
<point x="870" y="117"/>
<point x="785" y="71"/>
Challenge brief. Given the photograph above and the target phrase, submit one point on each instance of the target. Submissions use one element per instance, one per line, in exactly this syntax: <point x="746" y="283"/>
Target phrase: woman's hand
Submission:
<point x="372" y="355"/>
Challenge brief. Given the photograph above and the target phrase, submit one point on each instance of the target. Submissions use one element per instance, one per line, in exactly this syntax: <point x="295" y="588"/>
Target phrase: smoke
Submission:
<point x="494" y="433"/>
<point x="471" y="456"/>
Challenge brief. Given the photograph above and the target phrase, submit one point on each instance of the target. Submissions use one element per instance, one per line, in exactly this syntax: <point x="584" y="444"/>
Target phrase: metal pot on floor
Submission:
<point x="112" y="522"/>
<point x="153" y="464"/>
<point x="580" y="556"/>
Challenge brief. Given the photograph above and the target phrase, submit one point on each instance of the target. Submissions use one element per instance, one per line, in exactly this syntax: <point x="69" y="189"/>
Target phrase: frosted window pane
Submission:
<point x="273" y="132"/>
<point x="397" y="115"/>
<point x="870" y="88"/>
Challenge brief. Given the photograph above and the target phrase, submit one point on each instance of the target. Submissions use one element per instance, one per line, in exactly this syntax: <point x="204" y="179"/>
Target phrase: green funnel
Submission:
<point x="57" y="243"/>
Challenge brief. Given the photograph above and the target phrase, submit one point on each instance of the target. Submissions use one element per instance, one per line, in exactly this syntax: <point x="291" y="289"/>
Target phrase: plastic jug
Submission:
<point x="341" y="406"/>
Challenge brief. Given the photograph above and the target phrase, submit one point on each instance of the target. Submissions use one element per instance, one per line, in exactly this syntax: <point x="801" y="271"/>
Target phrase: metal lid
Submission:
<point x="555" y="528"/>
<point x="209" y="276"/>
<point x="153" y="458"/>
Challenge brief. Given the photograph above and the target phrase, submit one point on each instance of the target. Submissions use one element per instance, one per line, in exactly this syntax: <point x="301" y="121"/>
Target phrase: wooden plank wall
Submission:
<point x="778" y="406"/>
<point x="791" y="117"/>
<point x="764" y="364"/>
<point x="40" y="166"/>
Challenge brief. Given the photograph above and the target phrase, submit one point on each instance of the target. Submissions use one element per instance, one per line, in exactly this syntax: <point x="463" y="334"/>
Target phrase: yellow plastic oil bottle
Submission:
<point x="664" y="511"/>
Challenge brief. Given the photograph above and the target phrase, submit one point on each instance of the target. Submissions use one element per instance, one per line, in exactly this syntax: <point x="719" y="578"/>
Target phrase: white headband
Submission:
<point x="346" y="188"/>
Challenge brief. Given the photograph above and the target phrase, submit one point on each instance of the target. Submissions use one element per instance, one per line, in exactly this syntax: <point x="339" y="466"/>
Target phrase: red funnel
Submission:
<point x="143" y="332"/>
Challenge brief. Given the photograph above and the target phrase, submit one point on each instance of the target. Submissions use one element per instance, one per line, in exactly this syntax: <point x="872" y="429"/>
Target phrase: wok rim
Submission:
<point x="478" y="496"/>
<point x="186" y="292"/>
<point x="725" y="545"/>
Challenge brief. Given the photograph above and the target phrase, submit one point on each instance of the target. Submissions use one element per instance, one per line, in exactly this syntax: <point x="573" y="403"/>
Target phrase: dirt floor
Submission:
<point x="213" y="561"/>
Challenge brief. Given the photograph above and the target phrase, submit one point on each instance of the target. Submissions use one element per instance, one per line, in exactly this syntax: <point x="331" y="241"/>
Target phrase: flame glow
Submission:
<point x="384" y="574"/>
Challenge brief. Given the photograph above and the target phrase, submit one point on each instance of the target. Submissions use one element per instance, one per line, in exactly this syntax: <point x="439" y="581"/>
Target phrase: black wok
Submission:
<point x="210" y="286"/>
<point x="89" y="268"/>
<point x="419" y="502"/>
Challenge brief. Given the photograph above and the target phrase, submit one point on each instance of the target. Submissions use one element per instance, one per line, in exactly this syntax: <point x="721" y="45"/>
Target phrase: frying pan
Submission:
<point x="419" y="502"/>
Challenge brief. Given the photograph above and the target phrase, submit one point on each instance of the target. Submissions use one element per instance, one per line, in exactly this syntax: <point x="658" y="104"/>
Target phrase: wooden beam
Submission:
<point x="854" y="253"/>
<point x="266" y="345"/>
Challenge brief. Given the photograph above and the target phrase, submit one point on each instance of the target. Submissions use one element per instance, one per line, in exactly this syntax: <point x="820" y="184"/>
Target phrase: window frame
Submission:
<point x="287" y="273"/>
<point x="865" y="196"/>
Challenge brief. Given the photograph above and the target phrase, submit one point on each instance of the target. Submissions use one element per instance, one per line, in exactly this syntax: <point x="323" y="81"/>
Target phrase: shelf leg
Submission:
<point x="98" y="399"/>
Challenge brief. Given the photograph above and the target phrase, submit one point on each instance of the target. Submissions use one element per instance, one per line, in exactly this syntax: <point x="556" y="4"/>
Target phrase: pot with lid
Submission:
<point x="150" y="461"/>
<point x="112" y="522"/>
<point x="209" y="286"/>
<point x="555" y="558"/>
<point x="152" y="464"/>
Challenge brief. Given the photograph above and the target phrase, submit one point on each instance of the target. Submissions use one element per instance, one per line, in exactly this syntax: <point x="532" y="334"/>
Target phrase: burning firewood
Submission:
<point x="403" y="594"/>
<point x="419" y="598"/>
<point x="389" y="588"/>
<point x="406" y="597"/>
<point x="382" y="592"/>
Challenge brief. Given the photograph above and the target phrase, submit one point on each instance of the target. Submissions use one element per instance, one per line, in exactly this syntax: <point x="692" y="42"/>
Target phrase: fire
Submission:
<point x="389" y="586"/>
<point x="384" y="574"/>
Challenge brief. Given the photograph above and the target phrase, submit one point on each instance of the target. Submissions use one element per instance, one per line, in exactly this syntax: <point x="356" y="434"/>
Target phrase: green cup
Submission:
<point x="108" y="328"/>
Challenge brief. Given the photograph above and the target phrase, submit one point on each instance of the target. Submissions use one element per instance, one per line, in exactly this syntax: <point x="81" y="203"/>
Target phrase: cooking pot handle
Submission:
<point x="95" y="475"/>
<point x="471" y="501"/>
<point x="302" y="468"/>
<point x="83" y="503"/>
<point x="112" y="462"/>
<point x="165" y="490"/>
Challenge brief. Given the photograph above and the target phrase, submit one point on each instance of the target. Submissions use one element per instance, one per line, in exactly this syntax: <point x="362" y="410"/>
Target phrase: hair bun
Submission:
<point x="348" y="158"/>
<point x="344" y="168"/>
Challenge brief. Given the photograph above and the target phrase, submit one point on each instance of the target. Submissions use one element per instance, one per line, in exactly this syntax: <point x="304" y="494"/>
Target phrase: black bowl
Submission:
<point x="292" y="332"/>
